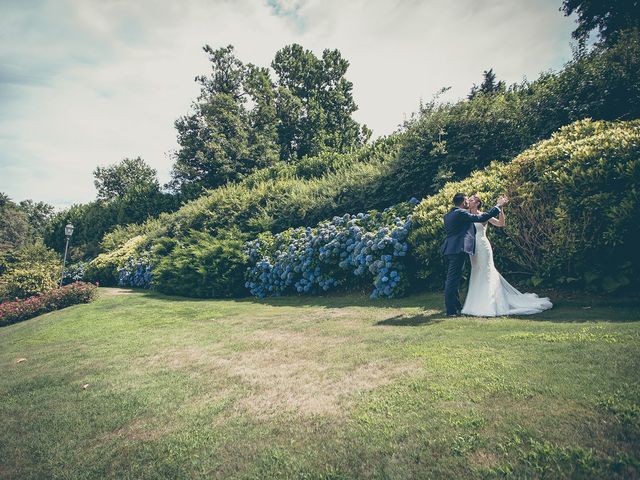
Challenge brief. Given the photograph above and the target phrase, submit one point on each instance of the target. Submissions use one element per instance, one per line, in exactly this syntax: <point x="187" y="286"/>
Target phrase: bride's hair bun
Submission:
<point x="479" y="200"/>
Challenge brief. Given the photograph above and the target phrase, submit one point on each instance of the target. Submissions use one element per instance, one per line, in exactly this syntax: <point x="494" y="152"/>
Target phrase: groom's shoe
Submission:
<point x="456" y="314"/>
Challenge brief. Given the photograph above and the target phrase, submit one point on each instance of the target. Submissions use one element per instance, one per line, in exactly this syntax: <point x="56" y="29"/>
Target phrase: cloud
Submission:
<point x="86" y="83"/>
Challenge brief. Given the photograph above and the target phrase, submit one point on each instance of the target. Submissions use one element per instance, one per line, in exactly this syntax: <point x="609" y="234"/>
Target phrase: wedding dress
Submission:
<point x="489" y="293"/>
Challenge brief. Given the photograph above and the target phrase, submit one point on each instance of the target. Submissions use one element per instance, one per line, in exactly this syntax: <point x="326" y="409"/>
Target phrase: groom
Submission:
<point x="460" y="242"/>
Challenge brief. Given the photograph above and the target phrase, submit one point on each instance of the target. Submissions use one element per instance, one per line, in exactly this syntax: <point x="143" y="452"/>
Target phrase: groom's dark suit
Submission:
<point x="460" y="242"/>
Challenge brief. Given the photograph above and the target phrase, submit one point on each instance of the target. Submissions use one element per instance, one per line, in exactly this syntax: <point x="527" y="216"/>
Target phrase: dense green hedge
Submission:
<point x="572" y="217"/>
<point x="202" y="266"/>
<point x="569" y="222"/>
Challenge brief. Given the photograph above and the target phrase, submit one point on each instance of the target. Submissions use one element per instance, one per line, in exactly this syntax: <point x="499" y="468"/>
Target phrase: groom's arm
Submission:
<point x="471" y="218"/>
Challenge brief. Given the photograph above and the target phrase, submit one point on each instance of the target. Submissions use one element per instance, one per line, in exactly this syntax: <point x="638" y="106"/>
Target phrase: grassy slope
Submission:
<point x="319" y="387"/>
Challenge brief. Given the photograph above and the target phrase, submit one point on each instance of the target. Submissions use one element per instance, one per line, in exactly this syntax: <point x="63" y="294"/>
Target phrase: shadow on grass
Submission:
<point x="412" y="321"/>
<point x="568" y="308"/>
<point x="431" y="300"/>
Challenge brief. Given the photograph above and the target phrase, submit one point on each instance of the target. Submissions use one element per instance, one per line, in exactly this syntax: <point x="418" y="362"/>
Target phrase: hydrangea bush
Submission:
<point x="137" y="272"/>
<point x="343" y="253"/>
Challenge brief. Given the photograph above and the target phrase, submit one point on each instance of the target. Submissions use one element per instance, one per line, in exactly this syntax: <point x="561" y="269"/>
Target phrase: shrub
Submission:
<point x="571" y="220"/>
<point x="74" y="272"/>
<point x="343" y="253"/>
<point x="29" y="281"/>
<point x="104" y="268"/>
<point x="202" y="266"/>
<point x="19" y="310"/>
<point x="136" y="273"/>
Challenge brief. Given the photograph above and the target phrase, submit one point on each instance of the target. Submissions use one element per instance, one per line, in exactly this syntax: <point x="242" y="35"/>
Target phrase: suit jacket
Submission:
<point x="461" y="231"/>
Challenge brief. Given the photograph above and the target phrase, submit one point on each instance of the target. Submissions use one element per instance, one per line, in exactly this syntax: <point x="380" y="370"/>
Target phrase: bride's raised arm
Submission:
<point x="500" y="221"/>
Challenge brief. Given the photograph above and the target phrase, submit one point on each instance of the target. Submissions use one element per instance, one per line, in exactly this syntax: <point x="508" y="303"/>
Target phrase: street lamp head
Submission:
<point x="68" y="230"/>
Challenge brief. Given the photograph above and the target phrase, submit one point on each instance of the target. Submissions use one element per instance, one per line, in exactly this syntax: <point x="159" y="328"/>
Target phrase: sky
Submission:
<point x="89" y="82"/>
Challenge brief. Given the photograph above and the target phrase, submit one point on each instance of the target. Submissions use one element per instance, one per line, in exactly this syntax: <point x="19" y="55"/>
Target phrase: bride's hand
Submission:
<point x="502" y="201"/>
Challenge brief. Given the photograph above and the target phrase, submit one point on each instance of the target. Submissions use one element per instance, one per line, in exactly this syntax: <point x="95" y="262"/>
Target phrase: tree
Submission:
<point x="22" y="223"/>
<point x="608" y="17"/>
<point x="315" y="104"/>
<point x="488" y="85"/>
<point x="222" y="140"/>
<point x="243" y="120"/>
<point x="38" y="215"/>
<point x="117" y="179"/>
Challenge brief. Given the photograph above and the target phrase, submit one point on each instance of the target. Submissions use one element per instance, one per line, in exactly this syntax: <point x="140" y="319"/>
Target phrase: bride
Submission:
<point x="489" y="294"/>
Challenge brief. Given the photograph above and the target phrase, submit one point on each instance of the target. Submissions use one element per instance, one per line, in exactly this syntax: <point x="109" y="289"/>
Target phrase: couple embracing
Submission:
<point x="489" y="294"/>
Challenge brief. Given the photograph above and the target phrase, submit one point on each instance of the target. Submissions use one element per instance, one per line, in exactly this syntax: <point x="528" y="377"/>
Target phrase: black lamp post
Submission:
<point x="68" y="231"/>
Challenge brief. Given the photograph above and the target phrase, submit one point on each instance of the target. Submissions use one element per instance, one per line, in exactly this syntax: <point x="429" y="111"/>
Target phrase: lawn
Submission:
<point x="139" y="385"/>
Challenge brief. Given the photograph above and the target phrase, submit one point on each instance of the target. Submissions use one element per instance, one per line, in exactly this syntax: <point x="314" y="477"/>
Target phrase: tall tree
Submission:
<point x="488" y="85"/>
<point x="243" y="120"/>
<point x="608" y="17"/>
<point x="22" y="223"/>
<point x="118" y="179"/>
<point x="221" y="140"/>
<point x="315" y="103"/>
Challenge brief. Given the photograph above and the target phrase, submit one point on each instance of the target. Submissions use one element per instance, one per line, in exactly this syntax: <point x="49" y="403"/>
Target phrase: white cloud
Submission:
<point x="88" y="83"/>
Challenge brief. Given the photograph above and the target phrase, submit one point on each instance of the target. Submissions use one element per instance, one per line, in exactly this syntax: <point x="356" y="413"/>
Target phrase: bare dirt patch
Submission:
<point x="137" y="429"/>
<point x="296" y="372"/>
<point x="110" y="292"/>
<point x="483" y="459"/>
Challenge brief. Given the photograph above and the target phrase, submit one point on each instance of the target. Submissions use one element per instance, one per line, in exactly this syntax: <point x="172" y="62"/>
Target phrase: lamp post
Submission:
<point x="68" y="231"/>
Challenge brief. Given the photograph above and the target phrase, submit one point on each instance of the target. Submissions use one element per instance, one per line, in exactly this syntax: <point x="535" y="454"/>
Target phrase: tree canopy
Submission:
<point x="243" y="120"/>
<point x="607" y="17"/>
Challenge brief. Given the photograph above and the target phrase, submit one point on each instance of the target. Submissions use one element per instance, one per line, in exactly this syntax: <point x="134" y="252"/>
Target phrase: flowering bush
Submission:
<point x="18" y="310"/>
<point x="136" y="273"/>
<point x="105" y="267"/>
<point x="74" y="272"/>
<point x="342" y="253"/>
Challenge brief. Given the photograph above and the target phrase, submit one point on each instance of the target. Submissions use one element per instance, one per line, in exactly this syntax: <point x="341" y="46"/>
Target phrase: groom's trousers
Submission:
<point x="455" y="263"/>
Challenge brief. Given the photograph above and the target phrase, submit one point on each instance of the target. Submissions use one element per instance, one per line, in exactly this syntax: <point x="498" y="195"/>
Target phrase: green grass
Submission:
<point x="320" y="387"/>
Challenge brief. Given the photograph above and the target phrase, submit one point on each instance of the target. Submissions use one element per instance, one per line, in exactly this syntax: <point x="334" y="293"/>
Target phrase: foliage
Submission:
<point x="28" y="255"/>
<point x="282" y="199"/>
<point x="451" y="140"/>
<point x="307" y="111"/>
<point x="104" y="268"/>
<point x="127" y="175"/>
<point x="571" y="219"/>
<point x="608" y="17"/>
<point x="344" y="253"/>
<point x="314" y="104"/>
<point x="19" y="310"/>
<point x="28" y="281"/>
<point x="202" y="266"/>
<point x="488" y="85"/>
<point x="122" y="233"/>
<point x="28" y="270"/>
<point x="21" y="223"/>
<point x="94" y="219"/>
<point x="446" y="143"/>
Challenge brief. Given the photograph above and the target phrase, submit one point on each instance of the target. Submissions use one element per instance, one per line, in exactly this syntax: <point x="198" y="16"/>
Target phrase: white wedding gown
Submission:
<point x="489" y="293"/>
